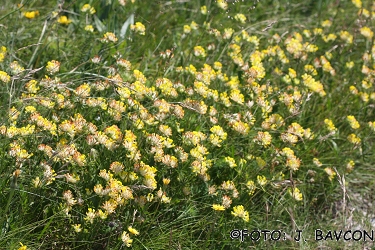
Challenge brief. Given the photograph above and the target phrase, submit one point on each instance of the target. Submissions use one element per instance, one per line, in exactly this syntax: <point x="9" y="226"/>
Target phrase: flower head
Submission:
<point x="199" y="51"/>
<point x="88" y="8"/>
<point x="296" y="194"/>
<point x="353" y="122"/>
<point x="4" y="76"/>
<point x="222" y="4"/>
<point x="23" y="247"/>
<point x="126" y="239"/>
<point x="139" y="28"/>
<point x="31" y="14"/>
<point x="239" y="211"/>
<point x="89" y="28"/>
<point x="109" y="37"/>
<point x="367" y="32"/>
<point x="53" y="66"/>
<point x="204" y="10"/>
<point x="64" y="20"/>
<point x="240" y="17"/>
<point x="218" y="207"/>
<point x="133" y="231"/>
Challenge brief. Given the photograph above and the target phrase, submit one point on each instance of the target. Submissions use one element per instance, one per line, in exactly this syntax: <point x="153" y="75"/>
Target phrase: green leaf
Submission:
<point x="99" y="25"/>
<point x="125" y="26"/>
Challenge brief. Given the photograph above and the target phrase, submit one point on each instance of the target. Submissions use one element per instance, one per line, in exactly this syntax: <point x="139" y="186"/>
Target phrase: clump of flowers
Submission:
<point x="224" y="116"/>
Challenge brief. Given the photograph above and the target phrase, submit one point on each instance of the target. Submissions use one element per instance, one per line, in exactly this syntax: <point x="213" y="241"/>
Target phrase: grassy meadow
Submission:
<point x="180" y="124"/>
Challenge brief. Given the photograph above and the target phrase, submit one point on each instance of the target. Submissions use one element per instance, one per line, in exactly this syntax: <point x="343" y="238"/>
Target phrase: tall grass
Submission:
<point x="168" y="124"/>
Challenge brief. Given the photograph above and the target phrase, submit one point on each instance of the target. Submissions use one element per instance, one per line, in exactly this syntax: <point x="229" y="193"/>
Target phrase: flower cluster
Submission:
<point x="139" y="28"/>
<point x="223" y="115"/>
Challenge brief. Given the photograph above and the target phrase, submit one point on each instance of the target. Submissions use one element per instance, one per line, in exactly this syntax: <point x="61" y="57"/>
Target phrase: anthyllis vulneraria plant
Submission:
<point x="224" y="118"/>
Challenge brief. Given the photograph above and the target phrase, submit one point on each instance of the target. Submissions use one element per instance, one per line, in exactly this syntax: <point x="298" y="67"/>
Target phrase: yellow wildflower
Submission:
<point x="133" y="231"/>
<point x="239" y="211"/>
<point x="262" y="180"/>
<point x="331" y="173"/>
<point x="89" y="28"/>
<point x="315" y="86"/>
<point x="222" y="4"/>
<point x="346" y="36"/>
<point x="31" y="14"/>
<point x="350" y="166"/>
<point x="240" y="17"/>
<point x="296" y="194"/>
<point x="187" y="29"/>
<point x="372" y="125"/>
<point x="251" y="187"/>
<point x="23" y="247"/>
<point x="330" y="126"/>
<point x="90" y="215"/>
<point x="3" y="52"/>
<point x="77" y="228"/>
<point x="139" y="28"/>
<point x="317" y="162"/>
<point x="166" y="181"/>
<point x="349" y="65"/>
<point x="87" y="7"/>
<point x="218" y="207"/>
<point x="4" y="76"/>
<point x="199" y="51"/>
<point x="293" y="163"/>
<point x="109" y="37"/>
<point x="327" y="23"/>
<point x="367" y="32"/>
<point x="230" y="161"/>
<point x="53" y="66"/>
<point x="16" y="67"/>
<point x="357" y="3"/>
<point x="263" y="138"/>
<point x="126" y="239"/>
<point x="204" y="10"/>
<point x="352" y="138"/>
<point x="64" y="20"/>
<point x="194" y="25"/>
<point x="353" y="122"/>
<point x="116" y="167"/>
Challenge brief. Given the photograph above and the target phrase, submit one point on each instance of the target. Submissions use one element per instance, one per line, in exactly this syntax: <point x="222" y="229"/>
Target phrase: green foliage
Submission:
<point x="167" y="124"/>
